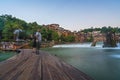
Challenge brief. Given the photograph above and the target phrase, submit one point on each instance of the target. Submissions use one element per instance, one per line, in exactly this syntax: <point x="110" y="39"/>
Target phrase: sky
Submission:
<point x="69" y="14"/>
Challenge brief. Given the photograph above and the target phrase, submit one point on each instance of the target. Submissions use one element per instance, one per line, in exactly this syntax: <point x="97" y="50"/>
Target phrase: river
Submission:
<point x="99" y="63"/>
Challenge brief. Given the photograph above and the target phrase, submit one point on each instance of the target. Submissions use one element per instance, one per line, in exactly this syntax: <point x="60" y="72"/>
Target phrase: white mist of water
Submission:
<point x="85" y="45"/>
<point x="74" y="45"/>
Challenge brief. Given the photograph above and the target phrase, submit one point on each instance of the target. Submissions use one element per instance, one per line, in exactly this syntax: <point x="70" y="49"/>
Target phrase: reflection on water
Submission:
<point x="115" y="56"/>
<point x="6" y="55"/>
<point x="101" y="64"/>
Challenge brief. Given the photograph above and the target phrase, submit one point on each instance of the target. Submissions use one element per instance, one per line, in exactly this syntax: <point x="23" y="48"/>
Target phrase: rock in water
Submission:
<point x="110" y="40"/>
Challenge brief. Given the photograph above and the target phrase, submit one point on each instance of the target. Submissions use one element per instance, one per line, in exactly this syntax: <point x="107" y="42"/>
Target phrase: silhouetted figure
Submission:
<point x="16" y="34"/>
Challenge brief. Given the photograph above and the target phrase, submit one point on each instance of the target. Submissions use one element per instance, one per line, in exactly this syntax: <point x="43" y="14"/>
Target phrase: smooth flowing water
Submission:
<point x="5" y="55"/>
<point x="99" y="63"/>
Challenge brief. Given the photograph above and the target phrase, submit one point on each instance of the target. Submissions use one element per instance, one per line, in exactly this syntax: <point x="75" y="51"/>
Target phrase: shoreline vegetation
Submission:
<point x="11" y="46"/>
<point x="52" y="32"/>
<point x="9" y="52"/>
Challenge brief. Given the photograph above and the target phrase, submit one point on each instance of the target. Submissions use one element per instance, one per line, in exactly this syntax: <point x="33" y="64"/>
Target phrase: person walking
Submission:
<point x="38" y="40"/>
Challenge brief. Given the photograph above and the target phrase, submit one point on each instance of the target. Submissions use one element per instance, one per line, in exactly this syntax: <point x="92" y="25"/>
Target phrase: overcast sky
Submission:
<point x="70" y="14"/>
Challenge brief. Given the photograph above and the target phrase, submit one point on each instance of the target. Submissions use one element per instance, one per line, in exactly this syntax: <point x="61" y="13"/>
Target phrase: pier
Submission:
<point x="29" y="66"/>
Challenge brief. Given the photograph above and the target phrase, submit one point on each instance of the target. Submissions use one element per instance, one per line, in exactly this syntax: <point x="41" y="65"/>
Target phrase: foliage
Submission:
<point x="69" y="38"/>
<point x="8" y="24"/>
<point x="103" y="29"/>
<point x="55" y="36"/>
<point x="90" y="39"/>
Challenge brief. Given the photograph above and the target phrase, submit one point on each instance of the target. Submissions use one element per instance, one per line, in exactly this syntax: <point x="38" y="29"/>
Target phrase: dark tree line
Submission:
<point x="103" y="29"/>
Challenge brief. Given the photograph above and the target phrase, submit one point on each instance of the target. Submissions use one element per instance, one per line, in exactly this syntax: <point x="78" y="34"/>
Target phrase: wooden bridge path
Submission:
<point x="29" y="66"/>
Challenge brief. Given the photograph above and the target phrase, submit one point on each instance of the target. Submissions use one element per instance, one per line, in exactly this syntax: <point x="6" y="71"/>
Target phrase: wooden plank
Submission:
<point x="54" y="72"/>
<point x="27" y="74"/>
<point x="29" y="66"/>
<point x="12" y="67"/>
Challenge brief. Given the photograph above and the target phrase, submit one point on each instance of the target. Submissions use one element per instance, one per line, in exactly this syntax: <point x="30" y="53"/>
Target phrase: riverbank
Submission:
<point x="15" y="45"/>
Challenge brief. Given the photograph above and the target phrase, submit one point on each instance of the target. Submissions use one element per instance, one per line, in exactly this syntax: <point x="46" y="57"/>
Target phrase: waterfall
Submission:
<point x="84" y="45"/>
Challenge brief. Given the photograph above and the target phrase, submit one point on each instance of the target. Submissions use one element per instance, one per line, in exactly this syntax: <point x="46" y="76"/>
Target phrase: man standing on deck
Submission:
<point x="38" y="40"/>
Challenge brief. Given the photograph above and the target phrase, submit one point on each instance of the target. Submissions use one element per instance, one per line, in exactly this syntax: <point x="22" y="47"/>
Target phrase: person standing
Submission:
<point x="16" y="34"/>
<point x="38" y="40"/>
<point x="33" y="37"/>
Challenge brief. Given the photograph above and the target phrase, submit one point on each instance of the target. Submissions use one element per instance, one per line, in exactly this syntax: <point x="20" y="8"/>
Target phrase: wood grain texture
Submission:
<point x="29" y="66"/>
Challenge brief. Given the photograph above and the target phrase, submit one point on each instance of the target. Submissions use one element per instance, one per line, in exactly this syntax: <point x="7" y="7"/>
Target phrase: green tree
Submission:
<point x="49" y="35"/>
<point x="70" y="38"/>
<point x="63" y="38"/>
<point x="55" y="36"/>
<point x="104" y="29"/>
<point x="44" y="34"/>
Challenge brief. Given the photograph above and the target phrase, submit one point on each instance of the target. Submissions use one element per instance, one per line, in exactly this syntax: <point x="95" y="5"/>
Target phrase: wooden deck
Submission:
<point x="29" y="66"/>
